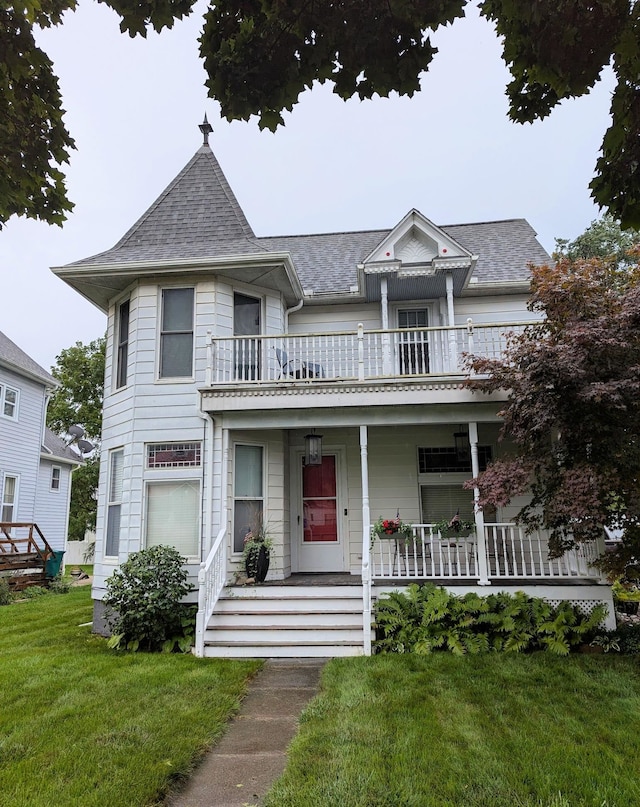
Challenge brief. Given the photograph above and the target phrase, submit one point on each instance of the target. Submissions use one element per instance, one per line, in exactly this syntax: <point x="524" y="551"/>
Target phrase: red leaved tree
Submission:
<point x="573" y="407"/>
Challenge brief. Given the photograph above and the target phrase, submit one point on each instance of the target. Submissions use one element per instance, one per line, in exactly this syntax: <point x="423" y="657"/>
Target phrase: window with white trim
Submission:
<point x="248" y="491"/>
<point x="114" y="503"/>
<point x="9" y="498"/>
<point x="123" y="344"/>
<point x="173" y="515"/>
<point x="55" y="477"/>
<point x="176" y="333"/>
<point x="9" y="397"/>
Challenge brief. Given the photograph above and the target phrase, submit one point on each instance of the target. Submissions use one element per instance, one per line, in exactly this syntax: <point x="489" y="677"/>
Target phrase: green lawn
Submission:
<point x="83" y="725"/>
<point x="479" y="731"/>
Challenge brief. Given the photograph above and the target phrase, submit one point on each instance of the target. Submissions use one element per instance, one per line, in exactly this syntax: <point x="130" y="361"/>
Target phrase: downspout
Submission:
<point x="291" y="310"/>
<point x="207" y="482"/>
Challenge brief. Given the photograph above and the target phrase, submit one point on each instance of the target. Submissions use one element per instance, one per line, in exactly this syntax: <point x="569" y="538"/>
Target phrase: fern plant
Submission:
<point x="427" y="618"/>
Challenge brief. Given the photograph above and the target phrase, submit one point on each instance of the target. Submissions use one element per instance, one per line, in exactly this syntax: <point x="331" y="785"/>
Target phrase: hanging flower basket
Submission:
<point x="392" y="528"/>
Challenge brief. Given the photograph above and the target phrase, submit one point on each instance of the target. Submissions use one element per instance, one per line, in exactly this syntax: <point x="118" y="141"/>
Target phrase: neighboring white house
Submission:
<point x="226" y="351"/>
<point x="35" y="464"/>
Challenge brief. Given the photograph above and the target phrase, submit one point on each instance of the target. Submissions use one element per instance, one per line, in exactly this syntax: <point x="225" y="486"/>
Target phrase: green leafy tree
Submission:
<point x="261" y="54"/>
<point x="604" y="238"/>
<point x="573" y="408"/>
<point x="78" y="400"/>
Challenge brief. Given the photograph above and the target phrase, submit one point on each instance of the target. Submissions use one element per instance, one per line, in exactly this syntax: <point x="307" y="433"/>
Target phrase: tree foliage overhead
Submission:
<point x="261" y="54"/>
<point x="573" y="409"/>
<point x="78" y="400"/>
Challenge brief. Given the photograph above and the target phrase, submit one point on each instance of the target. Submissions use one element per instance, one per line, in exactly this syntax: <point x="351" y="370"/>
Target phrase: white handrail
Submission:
<point x="511" y="553"/>
<point x="211" y="580"/>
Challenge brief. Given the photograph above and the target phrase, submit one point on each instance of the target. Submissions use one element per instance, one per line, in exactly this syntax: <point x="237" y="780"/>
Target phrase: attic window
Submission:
<point x="173" y="455"/>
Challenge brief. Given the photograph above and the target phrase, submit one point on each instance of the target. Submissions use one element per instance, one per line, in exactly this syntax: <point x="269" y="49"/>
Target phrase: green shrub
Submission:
<point x="427" y="618"/>
<point x="6" y="598"/>
<point x="628" y="638"/>
<point x="144" y="602"/>
<point x="31" y="592"/>
<point x="59" y="586"/>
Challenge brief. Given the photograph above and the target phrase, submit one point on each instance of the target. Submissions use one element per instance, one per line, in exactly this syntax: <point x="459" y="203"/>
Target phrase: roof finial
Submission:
<point x="206" y="128"/>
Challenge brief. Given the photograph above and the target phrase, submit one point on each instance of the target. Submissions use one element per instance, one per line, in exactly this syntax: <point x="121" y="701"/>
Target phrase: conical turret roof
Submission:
<point x="196" y="215"/>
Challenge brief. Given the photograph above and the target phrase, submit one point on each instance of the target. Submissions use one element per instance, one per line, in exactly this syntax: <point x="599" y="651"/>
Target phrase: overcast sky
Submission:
<point x="133" y="107"/>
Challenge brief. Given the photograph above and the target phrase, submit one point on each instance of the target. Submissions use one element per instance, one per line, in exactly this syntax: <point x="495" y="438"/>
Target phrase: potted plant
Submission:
<point x="392" y="528"/>
<point x="453" y="527"/>
<point x="256" y="551"/>
<point x="626" y="597"/>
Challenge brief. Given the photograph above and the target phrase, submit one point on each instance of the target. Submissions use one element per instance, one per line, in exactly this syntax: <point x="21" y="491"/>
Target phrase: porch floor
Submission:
<point x="346" y="579"/>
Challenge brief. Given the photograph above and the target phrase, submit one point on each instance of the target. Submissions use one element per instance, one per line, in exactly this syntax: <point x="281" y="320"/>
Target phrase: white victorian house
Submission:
<point x="226" y="351"/>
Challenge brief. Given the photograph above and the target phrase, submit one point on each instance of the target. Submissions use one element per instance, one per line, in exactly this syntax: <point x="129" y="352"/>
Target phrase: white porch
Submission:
<point x="378" y="468"/>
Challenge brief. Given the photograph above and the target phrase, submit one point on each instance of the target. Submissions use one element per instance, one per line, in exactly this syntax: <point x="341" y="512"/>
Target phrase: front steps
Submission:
<point x="286" y="622"/>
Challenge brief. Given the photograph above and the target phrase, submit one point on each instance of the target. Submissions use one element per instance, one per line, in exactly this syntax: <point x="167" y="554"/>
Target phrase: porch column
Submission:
<point x="451" y="321"/>
<point x="366" y="542"/>
<point x="386" y="342"/>
<point x="483" y="571"/>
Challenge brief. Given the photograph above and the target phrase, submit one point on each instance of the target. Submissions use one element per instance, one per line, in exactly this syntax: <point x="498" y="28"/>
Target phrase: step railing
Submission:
<point x="511" y="553"/>
<point x="14" y="541"/>
<point x="212" y="578"/>
<point x="357" y="355"/>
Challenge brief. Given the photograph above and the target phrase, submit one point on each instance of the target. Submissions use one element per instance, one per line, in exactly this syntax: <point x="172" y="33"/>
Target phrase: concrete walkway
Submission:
<point x="241" y="768"/>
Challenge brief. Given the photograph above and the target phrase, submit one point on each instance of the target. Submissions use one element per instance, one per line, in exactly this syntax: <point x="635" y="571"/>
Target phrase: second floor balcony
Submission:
<point x="352" y="356"/>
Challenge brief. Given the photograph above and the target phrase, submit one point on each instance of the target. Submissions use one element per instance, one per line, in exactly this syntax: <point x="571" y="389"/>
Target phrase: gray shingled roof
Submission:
<point x="198" y="216"/>
<point x="58" y="449"/>
<point x="14" y="358"/>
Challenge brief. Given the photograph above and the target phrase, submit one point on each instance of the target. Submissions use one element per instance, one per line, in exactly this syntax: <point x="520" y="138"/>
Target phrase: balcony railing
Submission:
<point x="510" y="552"/>
<point x="352" y="355"/>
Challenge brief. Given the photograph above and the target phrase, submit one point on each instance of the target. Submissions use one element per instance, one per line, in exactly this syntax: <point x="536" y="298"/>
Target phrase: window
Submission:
<point x="442" y="502"/>
<point x="9" y="498"/>
<point x="173" y="518"/>
<point x="413" y="353"/>
<point x="55" y="478"/>
<point x="9" y="402"/>
<point x="114" y="503"/>
<point x="445" y="459"/>
<point x="176" y="336"/>
<point x="123" y="344"/>
<point x="173" y="455"/>
<point x="248" y="505"/>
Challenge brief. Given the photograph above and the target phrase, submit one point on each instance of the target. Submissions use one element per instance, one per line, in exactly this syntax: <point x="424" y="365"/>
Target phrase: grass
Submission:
<point x="83" y="725"/>
<point x="479" y="731"/>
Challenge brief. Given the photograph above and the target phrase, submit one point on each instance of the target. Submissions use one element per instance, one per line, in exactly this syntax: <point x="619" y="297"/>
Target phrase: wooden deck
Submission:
<point x="24" y="552"/>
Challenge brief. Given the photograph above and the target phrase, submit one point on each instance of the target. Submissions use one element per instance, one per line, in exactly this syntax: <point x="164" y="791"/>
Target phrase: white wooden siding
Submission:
<point x="21" y="441"/>
<point x="331" y="318"/>
<point x="52" y="506"/>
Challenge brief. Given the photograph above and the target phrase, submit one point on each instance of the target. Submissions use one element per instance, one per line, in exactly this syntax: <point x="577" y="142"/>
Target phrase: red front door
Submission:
<point x="320" y="548"/>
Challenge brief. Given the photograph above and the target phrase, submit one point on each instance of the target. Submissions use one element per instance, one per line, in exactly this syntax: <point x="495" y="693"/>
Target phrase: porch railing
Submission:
<point x="211" y="580"/>
<point x="510" y="552"/>
<point x="352" y="355"/>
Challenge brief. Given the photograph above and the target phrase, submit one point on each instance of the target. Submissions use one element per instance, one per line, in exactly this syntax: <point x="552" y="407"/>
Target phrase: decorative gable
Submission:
<point x="416" y="246"/>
